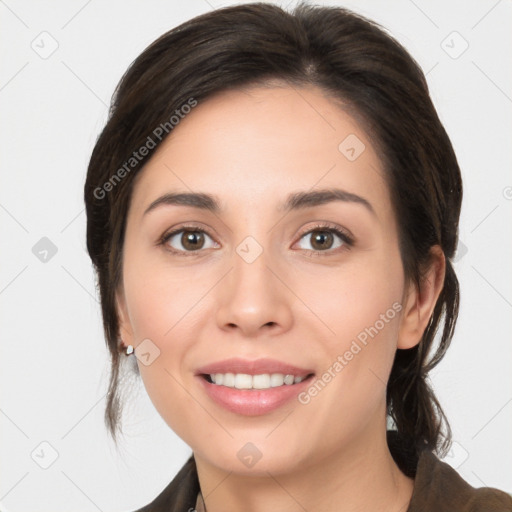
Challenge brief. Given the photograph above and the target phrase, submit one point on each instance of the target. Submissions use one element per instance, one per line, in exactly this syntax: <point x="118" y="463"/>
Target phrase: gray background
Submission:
<point x="60" y="65"/>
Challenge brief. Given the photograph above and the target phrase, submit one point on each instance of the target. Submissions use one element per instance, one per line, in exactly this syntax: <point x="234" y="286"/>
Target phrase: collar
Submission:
<point x="437" y="486"/>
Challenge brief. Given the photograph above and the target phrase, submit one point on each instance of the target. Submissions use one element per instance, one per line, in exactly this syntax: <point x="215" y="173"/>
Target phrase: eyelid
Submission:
<point x="344" y="234"/>
<point x="184" y="227"/>
<point x="319" y="225"/>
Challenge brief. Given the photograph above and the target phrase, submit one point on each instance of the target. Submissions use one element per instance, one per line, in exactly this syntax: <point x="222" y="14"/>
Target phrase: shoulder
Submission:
<point x="437" y="486"/>
<point x="180" y="495"/>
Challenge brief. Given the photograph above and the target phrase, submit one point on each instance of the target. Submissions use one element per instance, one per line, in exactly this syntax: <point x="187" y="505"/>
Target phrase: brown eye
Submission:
<point x="192" y="240"/>
<point x="321" y="240"/>
<point x="187" y="241"/>
<point x="326" y="240"/>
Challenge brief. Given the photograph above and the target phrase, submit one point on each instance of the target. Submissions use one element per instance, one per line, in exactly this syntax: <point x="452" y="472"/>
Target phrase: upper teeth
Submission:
<point x="245" y="381"/>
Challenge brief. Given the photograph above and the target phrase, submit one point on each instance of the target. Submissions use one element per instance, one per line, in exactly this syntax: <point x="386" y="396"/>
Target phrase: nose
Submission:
<point x="254" y="299"/>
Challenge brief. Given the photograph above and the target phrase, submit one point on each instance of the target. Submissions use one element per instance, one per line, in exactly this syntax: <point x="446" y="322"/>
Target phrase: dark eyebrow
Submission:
<point x="295" y="201"/>
<point x="194" y="199"/>
<point x="318" y="197"/>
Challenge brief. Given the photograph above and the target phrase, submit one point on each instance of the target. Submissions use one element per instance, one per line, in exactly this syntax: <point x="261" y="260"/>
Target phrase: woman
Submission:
<point x="272" y="211"/>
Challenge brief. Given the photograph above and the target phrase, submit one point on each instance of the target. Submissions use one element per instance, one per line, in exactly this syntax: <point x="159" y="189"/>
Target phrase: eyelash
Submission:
<point x="347" y="240"/>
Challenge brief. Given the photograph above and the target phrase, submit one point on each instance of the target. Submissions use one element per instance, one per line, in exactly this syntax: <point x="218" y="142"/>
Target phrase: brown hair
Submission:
<point x="353" y="60"/>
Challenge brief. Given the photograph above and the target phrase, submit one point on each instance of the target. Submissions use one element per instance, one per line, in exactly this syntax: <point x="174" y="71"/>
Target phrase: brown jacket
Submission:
<point x="437" y="488"/>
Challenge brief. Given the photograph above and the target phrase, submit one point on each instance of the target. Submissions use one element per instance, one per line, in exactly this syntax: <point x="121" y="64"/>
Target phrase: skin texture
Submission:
<point x="297" y="302"/>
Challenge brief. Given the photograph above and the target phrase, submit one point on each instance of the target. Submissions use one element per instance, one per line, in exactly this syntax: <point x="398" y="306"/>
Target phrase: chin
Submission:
<point x="252" y="458"/>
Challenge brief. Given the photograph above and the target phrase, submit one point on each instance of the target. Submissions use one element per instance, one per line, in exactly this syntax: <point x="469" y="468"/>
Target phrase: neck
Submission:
<point x="362" y="476"/>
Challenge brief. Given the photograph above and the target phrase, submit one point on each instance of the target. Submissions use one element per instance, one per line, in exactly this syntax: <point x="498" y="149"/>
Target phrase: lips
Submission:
<point x="252" y="402"/>
<point x="255" y="367"/>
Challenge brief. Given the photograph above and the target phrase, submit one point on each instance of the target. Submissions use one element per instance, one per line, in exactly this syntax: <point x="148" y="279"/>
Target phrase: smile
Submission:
<point x="246" y="381"/>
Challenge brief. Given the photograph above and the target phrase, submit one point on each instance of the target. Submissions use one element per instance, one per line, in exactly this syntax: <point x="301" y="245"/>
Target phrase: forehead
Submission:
<point x="258" y="144"/>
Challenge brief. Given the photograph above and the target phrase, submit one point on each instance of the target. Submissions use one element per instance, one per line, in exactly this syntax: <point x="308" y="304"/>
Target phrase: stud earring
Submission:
<point x="126" y="349"/>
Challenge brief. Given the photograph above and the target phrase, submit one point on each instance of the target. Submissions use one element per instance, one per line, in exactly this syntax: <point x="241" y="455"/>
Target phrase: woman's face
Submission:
<point x="258" y="279"/>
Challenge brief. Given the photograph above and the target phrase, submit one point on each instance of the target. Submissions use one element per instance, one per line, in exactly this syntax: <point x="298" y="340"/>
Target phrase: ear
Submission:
<point x="125" y="326"/>
<point x="420" y="303"/>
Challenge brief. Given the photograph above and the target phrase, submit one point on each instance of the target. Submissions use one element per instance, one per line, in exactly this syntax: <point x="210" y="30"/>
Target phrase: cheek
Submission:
<point x="159" y="297"/>
<point x="158" y="316"/>
<point x="362" y="309"/>
<point x="164" y="306"/>
<point x="355" y="300"/>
